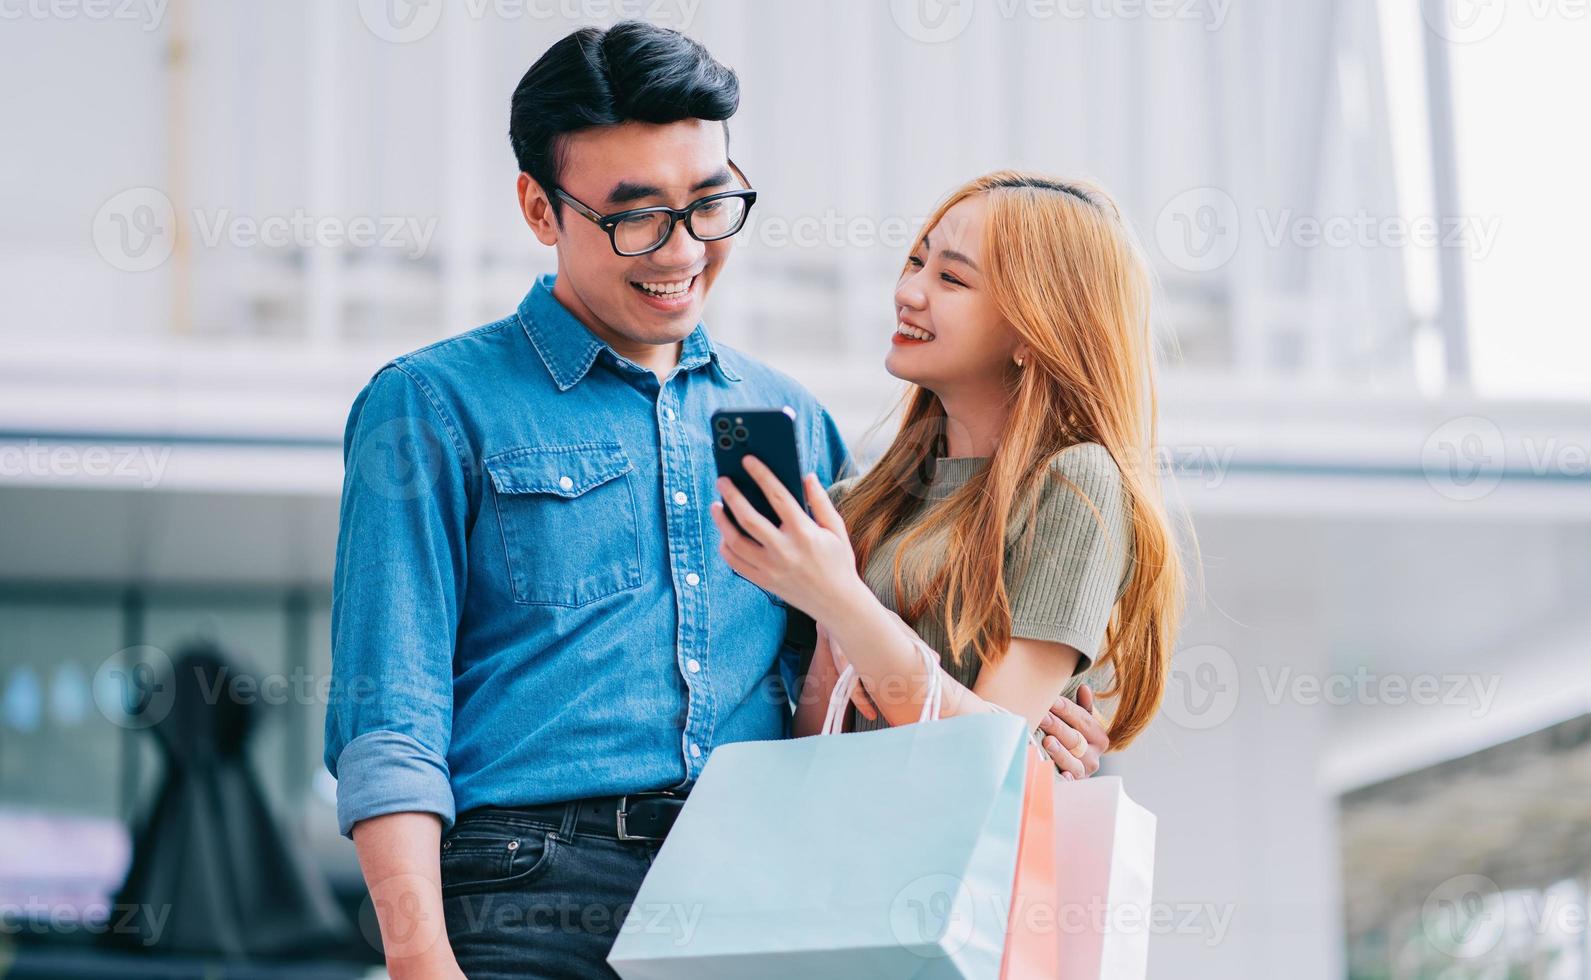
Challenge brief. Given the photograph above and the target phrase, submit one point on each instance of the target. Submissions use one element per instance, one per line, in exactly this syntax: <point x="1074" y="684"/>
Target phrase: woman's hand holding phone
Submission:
<point x="805" y="560"/>
<point x="808" y="561"/>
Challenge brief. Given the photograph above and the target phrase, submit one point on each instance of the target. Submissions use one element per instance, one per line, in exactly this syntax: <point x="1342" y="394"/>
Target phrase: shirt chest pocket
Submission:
<point x="568" y="516"/>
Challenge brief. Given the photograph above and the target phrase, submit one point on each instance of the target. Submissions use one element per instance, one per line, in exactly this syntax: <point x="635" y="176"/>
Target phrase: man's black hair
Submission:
<point x="595" y="77"/>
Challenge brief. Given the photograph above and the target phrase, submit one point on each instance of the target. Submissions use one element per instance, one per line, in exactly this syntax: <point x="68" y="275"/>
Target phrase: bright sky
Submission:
<point x="1524" y="162"/>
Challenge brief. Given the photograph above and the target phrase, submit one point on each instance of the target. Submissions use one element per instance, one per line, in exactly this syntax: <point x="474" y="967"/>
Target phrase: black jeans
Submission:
<point x="525" y="898"/>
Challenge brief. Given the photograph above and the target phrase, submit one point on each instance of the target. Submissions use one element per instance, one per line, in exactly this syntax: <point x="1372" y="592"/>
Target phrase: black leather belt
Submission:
<point x="638" y="816"/>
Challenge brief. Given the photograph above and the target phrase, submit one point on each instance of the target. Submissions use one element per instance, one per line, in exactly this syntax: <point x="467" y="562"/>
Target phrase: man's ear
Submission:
<point x="537" y="209"/>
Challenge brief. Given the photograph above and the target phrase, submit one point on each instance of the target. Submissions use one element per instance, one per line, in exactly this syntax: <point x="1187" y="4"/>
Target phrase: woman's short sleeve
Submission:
<point x="1082" y="550"/>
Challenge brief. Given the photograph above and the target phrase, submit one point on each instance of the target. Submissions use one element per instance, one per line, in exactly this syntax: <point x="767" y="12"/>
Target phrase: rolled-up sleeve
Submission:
<point x="400" y="574"/>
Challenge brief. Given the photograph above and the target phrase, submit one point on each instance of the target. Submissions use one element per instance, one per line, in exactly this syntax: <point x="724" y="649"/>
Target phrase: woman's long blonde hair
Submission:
<point x="1065" y="274"/>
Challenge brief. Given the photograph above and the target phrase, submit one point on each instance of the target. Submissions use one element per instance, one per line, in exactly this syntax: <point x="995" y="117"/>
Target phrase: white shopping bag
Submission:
<point x="1104" y="872"/>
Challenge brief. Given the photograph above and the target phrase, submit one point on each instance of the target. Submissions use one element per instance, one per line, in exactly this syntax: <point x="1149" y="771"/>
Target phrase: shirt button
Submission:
<point x="693" y="579"/>
<point x="565" y="482"/>
<point x="668" y="413"/>
<point x="693" y="665"/>
<point x="680" y="498"/>
<point x="696" y="751"/>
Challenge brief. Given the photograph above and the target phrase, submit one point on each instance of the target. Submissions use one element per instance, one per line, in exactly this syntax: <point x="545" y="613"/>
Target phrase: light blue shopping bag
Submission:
<point x="872" y="854"/>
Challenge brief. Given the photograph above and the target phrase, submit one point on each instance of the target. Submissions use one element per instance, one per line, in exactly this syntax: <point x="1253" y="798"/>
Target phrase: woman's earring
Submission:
<point x="1019" y="362"/>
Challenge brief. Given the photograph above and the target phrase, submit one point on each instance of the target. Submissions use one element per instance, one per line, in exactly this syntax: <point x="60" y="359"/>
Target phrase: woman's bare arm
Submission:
<point x="1026" y="679"/>
<point x="881" y="648"/>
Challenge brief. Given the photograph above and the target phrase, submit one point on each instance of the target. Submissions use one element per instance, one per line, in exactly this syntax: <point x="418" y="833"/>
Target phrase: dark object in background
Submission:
<point x="216" y="873"/>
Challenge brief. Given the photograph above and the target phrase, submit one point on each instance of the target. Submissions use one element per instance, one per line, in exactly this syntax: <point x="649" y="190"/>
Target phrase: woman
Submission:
<point x="1015" y="521"/>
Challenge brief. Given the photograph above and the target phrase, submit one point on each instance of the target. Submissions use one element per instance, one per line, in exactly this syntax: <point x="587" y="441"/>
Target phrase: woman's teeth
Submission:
<point x="913" y="332"/>
<point x="666" y="288"/>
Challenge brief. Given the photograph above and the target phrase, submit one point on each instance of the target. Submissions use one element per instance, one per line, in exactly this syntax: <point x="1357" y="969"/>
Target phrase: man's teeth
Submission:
<point x="667" y="288"/>
<point x="913" y="332"/>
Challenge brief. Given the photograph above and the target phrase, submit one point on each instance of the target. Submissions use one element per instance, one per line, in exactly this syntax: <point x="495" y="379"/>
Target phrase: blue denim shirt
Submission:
<point x="528" y="604"/>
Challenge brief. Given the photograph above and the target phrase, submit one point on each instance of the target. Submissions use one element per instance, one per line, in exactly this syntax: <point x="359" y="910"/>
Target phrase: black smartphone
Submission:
<point x="768" y="434"/>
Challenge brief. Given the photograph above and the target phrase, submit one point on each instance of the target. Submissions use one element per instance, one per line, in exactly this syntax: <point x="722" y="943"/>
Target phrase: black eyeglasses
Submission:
<point x="642" y="230"/>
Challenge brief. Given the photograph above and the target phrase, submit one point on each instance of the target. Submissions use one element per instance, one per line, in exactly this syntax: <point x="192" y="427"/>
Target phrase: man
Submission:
<point x="535" y="646"/>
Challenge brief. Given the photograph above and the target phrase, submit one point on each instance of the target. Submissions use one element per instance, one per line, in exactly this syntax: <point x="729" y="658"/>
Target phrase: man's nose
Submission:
<point x="681" y="251"/>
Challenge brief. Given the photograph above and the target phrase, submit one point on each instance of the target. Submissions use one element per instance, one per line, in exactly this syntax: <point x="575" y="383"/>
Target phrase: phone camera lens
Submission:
<point x="741" y="433"/>
<point x="721" y="424"/>
<point x="724" y="442"/>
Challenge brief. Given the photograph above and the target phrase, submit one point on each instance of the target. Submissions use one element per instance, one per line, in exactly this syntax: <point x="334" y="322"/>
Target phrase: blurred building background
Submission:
<point x="1367" y="223"/>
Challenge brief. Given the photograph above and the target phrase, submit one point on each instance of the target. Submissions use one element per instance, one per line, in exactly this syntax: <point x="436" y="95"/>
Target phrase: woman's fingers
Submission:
<point x="1090" y="723"/>
<point x="1085" y="700"/>
<point x="1068" y="764"/>
<point x="1085" y="697"/>
<point x="755" y="526"/>
<point x="732" y="537"/>
<point x="1070" y="738"/>
<point x="1067" y="747"/>
<point x="783" y="504"/>
<point x="823" y="510"/>
<point x="736" y="564"/>
<point x="864" y="704"/>
<point x="739" y="550"/>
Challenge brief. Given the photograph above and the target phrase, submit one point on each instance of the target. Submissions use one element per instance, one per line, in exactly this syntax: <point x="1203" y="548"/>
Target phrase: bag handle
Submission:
<point x="849" y="679"/>
<point x="933" y="704"/>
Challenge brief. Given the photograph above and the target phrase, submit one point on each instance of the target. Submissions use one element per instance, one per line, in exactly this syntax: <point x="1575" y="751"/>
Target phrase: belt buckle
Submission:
<point x="624" y="833"/>
<point x="624" y="805"/>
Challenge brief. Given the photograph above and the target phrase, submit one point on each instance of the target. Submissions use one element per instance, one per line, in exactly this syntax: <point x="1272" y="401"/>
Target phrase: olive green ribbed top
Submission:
<point x="1077" y="570"/>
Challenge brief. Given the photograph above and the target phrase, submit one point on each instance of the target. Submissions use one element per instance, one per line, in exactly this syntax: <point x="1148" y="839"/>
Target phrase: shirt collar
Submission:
<point x="568" y="349"/>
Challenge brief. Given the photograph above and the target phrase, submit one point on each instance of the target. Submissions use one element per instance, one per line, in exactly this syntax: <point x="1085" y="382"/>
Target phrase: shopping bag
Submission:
<point x="1030" y="949"/>
<point x="1104" y="866"/>
<point x="872" y="855"/>
<point x="877" y="854"/>
<point x="1093" y="911"/>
